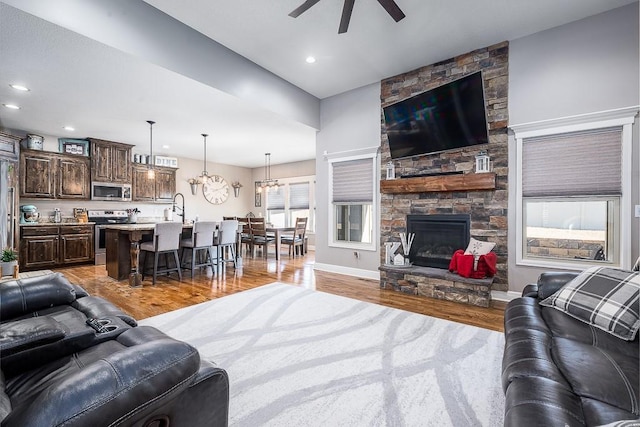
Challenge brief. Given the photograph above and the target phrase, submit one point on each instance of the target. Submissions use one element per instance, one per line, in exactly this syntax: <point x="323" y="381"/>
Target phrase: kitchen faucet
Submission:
<point x="177" y="207"/>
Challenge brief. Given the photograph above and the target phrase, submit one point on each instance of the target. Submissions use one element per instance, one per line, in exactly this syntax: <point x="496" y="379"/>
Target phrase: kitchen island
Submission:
<point x="123" y="249"/>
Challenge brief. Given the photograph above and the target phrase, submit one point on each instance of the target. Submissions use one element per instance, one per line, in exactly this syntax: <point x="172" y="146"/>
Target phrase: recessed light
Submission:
<point x="69" y="128"/>
<point x="12" y="106"/>
<point x="310" y="59"/>
<point x="20" y="87"/>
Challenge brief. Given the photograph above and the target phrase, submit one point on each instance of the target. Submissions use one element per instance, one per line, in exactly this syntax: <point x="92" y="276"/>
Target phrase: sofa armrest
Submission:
<point x="531" y="290"/>
<point x="121" y="388"/>
<point x="550" y="282"/>
<point x="22" y="296"/>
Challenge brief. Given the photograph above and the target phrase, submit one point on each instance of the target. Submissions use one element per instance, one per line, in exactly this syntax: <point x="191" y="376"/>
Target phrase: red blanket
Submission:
<point x="463" y="265"/>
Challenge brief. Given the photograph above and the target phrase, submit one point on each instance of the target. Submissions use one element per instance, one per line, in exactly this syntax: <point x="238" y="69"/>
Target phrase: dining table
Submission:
<point x="277" y="233"/>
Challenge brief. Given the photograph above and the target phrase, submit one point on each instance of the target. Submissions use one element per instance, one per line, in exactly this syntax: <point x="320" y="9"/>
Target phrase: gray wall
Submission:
<point x="349" y="121"/>
<point x="586" y="66"/>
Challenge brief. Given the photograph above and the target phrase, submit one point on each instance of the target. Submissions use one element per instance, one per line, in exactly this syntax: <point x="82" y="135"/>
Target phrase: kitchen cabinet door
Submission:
<point x="101" y="160"/>
<point x="73" y="178"/>
<point x="9" y="146"/>
<point x="110" y="161"/>
<point x="76" y="244"/>
<point x="38" y="252"/>
<point x="144" y="188"/>
<point x="37" y="174"/>
<point x="165" y="185"/>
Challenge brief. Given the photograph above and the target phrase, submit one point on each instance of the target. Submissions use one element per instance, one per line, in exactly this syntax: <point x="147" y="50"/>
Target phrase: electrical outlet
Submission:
<point x="637" y="211"/>
<point x="356" y="254"/>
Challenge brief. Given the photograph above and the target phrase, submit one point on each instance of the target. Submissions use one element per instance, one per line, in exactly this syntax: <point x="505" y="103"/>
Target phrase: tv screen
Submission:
<point x="445" y="118"/>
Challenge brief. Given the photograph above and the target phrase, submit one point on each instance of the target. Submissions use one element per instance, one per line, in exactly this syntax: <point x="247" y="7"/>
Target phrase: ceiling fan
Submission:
<point x="389" y="5"/>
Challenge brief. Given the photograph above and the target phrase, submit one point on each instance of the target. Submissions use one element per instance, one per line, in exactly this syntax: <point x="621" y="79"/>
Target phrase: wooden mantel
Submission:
<point x="442" y="183"/>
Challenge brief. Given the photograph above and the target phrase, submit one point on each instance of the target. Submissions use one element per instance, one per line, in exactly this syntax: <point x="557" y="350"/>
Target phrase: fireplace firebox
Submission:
<point x="437" y="237"/>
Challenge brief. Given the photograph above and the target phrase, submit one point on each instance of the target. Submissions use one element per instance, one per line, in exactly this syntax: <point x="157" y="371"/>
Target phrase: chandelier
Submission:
<point x="267" y="182"/>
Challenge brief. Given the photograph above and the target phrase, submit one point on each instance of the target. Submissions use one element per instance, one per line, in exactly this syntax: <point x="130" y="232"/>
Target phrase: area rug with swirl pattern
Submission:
<point x="299" y="357"/>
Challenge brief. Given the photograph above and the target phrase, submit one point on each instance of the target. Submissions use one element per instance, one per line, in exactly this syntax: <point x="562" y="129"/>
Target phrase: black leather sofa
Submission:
<point x="58" y="368"/>
<point x="559" y="371"/>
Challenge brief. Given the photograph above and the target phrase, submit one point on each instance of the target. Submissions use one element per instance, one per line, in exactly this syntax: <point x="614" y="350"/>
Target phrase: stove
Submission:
<point x="102" y="219"/>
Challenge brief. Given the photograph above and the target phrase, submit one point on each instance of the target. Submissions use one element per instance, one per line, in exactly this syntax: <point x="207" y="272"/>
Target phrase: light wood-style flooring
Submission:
<point x="169" y="294"/>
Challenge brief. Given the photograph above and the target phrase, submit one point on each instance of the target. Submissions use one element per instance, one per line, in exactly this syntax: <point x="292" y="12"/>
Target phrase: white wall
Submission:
<point x="582" y="67"/>
<point x="348" y="121"/>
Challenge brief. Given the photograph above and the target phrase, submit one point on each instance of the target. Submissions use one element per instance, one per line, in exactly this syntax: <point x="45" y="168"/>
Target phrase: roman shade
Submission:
<point x="299" y="195"/>
<point x="352" y="181"/>
<point x="275" y="199"/>
<point x="573" y="164"/>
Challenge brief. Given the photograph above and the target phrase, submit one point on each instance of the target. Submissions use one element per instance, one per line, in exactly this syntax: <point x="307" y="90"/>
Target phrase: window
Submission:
<point x="292" y="200"/>
<point x="573" y="183"/>
<point x="352" y="203"/>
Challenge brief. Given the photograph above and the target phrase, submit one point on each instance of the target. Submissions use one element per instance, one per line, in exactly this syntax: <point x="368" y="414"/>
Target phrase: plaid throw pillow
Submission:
<point x="606" y="298"/>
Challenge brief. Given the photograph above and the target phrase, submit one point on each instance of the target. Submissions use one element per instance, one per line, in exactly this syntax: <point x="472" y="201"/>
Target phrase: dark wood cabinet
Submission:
<point x="160" y="188"/>
<point x="9" y="146"/>
<point x="55" y="245"/>
<point x="110" y="161"/>
<point x="54" y="176"/>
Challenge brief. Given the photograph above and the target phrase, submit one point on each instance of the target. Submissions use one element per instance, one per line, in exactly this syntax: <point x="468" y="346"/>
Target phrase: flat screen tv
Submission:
<point x="448" y="117"/>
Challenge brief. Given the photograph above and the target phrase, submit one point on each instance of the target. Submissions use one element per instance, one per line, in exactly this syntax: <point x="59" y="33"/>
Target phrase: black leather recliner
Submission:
<point x="59" y="368"/>
<point x="559" y="371"/>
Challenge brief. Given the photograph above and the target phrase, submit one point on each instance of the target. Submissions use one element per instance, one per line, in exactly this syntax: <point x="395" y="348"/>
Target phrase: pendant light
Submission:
<point x="151" y="174"/>
<point x="267" y="182"/>
<point x="204" y="175"/>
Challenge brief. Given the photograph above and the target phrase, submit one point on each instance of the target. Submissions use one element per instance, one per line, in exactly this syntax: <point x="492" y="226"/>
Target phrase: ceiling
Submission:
<point x="109" y="94"/>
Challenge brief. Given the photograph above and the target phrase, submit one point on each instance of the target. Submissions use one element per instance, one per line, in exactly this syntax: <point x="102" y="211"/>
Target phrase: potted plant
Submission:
<point x="8" y="261"/>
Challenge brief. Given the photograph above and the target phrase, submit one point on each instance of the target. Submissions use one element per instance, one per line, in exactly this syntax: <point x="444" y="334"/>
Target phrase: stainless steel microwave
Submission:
<point x="110" y="191"/>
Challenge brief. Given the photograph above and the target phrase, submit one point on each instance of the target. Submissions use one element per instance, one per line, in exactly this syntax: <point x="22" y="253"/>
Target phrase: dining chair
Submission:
<point x="166" y="239"/>
<point x="225" y="246"/>
<point x="245" y="237"/>
<point x="259" y="236"/>
<point x="296" y="240"/>
<point x="199" y="245"/>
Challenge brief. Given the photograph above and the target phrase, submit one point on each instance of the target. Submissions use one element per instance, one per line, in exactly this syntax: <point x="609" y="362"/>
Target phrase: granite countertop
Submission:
<point x="139" y="226"/>
<point x="50" y="223"/>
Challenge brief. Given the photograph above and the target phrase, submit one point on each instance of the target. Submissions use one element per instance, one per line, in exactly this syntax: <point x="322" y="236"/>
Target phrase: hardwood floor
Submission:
<point x="169" y="294"/>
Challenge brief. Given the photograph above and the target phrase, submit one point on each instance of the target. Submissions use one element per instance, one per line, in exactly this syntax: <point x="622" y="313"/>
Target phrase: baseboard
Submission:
<point x="505" y="295"/>
<point x="348" y="271"/>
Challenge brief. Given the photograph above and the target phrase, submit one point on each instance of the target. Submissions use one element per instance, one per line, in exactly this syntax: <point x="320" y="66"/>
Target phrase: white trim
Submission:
<point x="602" y="119"/>
<point x="505" y="296"/>
<point x="624" y="117"/>
<point x="352" y="154"/>
<point x="348" y="271"/>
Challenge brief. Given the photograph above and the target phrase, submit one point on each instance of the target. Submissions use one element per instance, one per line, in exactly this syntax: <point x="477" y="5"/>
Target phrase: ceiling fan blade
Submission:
<point x="303" y="8"/>
<point x="392" y="9"/>
<point x="346" y="16"/>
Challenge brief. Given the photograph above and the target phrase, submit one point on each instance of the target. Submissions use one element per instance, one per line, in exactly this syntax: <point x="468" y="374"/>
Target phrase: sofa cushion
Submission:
<point x="606" y="298"/>
<point x="28" y="333"/>
<point x="603" y="376"/>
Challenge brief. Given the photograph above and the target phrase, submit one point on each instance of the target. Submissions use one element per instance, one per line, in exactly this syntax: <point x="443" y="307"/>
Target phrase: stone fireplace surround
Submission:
<point x="481" y="196"/>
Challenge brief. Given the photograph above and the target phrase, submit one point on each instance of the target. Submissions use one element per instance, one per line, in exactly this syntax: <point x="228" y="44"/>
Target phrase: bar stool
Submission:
<point x="227" y="240"/>
<point x="166" y="238"/>
<point x="201" y="240"/>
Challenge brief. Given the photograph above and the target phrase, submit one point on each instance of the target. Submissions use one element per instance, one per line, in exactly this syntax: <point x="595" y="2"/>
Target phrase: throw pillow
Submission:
<point x="477" y="247"/>
<point x="604" y="297"/>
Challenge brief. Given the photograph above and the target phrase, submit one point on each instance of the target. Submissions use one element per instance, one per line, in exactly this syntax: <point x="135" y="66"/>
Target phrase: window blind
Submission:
<point x="353" y="181"/>
<point x="299" y="195"/>
<point x="573" y="164"/>
<point x="275" y="199"/>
